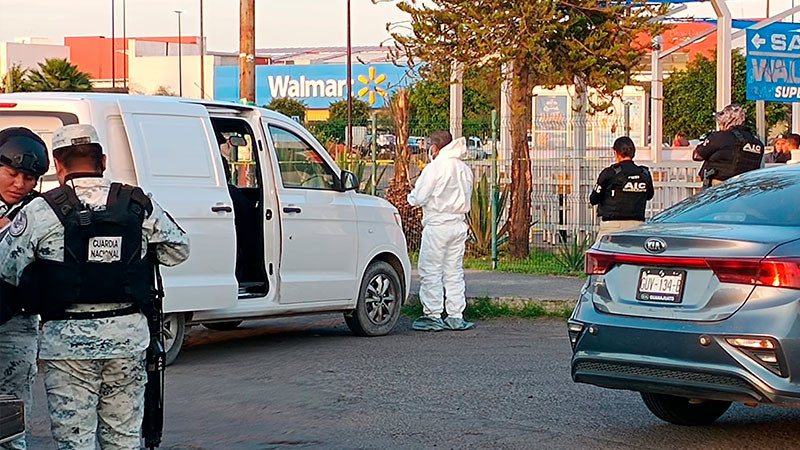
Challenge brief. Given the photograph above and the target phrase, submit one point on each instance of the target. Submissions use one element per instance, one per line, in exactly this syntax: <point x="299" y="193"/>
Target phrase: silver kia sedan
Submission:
<point x="700" y="307"/>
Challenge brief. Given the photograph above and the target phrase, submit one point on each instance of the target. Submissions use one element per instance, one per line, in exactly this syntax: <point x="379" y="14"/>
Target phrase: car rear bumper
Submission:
<point x="688" y="359"/>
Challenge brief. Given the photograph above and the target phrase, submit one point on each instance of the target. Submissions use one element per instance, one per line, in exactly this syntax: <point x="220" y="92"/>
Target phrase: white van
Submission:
<point x="280" y="231"/>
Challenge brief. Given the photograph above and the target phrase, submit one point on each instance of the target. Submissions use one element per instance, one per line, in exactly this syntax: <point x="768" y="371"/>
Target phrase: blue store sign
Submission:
<point x="773" y="63"/>
<point x="316" y="85"/>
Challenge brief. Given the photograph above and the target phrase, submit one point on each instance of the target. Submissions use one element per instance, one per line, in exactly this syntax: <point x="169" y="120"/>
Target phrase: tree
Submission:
<point x="591" y="43"/>
<point x="400" y="185"/>
<point x="360" y="111"/>
<point x="288" y="107"/>
<point x="690" y="98"/>
<point x="430" y="103"/>
<point x="15" y="80"/>
<point x="58" y="75"/>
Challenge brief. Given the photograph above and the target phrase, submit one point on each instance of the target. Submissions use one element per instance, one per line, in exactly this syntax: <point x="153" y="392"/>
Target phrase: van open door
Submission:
<point x="176" y="158"/>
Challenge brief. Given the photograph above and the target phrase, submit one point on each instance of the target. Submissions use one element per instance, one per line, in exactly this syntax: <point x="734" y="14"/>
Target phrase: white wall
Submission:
<point x="147" y="74"/>
<point x="28" y="56"/>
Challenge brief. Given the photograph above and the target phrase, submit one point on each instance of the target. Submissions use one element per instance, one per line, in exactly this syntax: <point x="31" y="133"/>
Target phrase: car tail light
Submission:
<point x="784" y="273"/>
<point x="598" y="263"/>
<point x="8" y="105"/>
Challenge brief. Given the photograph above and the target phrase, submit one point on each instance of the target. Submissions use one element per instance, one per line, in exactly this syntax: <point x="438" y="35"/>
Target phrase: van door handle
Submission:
<point x="221" y="208"/>
<point x="292" y="209"/>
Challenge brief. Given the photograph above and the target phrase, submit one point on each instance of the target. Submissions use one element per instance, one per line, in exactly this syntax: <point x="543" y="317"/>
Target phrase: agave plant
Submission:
<point x="570" y="256"/>
<point x="479" y="218"/>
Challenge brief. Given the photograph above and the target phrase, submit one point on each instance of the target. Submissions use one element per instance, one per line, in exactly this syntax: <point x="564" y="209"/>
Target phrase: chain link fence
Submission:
<point x="564" y="159"/>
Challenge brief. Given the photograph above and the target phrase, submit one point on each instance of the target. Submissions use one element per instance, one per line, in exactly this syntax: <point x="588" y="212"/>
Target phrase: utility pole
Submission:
<point x="349" y="81"/>
<point x="125" y="43"/>
<point x="202" y="56"/>
<point x="247" y="50"/>
<point x="113" y="49"/>
<point x="180" y="54"/>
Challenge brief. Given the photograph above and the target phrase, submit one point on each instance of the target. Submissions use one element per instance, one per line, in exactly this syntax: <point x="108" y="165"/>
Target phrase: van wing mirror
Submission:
<point x="349" y="181"/>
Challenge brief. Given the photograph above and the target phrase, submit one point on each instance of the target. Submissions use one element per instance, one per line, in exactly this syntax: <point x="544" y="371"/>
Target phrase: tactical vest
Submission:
<point x="626" y="195"/>
<point x="748" y="153"/>
<point x="9" y="294"/>
<point x="103" y="258"/>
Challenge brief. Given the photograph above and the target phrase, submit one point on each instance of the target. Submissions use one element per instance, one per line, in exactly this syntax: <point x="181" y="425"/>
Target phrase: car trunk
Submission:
<point x="700" y="275"/>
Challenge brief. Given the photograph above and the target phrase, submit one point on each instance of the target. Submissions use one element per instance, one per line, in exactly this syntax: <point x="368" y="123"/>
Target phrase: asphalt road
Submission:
<point x="308" y="383"/>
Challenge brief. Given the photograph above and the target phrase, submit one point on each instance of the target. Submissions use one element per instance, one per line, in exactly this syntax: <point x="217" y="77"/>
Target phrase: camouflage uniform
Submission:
<point x="94" y="370"/>
<point x="18" y="345"/>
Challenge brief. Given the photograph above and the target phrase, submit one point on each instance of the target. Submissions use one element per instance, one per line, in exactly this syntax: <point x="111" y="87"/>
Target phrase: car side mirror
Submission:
<point x="349" y="181"/>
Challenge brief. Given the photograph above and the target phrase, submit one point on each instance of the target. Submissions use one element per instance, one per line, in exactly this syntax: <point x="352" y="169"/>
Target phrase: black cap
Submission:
<point x="23" y="150"/>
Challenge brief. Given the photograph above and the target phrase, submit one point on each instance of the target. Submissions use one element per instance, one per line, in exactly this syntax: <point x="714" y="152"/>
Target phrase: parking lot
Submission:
<point x="308" y="383"/>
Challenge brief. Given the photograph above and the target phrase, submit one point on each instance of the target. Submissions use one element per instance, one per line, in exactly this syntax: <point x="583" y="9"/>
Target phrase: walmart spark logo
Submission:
<point x="372" y="86"/>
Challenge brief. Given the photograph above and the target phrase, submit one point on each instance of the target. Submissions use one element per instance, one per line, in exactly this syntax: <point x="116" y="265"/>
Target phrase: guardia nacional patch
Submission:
<point x="19" y="224"/>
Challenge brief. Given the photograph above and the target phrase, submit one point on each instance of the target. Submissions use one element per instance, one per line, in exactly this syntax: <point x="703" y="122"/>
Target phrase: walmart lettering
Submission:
<point x="286" y="86"/>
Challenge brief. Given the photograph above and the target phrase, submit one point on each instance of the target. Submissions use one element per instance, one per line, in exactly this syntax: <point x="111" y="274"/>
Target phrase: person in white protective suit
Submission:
<point x="444" y="191"/>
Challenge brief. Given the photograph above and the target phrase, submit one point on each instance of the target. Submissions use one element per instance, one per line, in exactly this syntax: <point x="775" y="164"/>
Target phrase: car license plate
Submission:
<point x="661" y="285"/>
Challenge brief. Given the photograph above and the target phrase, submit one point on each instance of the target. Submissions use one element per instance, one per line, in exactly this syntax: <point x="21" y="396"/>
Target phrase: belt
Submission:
<point x="133" y="309"/>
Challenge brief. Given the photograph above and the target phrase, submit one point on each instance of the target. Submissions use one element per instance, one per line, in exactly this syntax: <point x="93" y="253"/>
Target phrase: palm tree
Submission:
<point x="58" y="75"/>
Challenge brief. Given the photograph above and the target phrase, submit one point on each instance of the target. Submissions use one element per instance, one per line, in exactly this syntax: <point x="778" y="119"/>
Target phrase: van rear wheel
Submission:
<point x="684" y="411"/>
<point x="379" y="302"/>
<point x="174" y="332"/>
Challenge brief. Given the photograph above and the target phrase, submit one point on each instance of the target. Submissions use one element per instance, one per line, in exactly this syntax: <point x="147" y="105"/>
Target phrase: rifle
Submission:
<point x="708" y="176"/>
<point x="153" y="423"/>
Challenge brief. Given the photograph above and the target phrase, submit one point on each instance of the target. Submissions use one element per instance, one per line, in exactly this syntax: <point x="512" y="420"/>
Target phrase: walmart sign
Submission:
<point x="316" y="85"/>
<point x="773" y="63"/>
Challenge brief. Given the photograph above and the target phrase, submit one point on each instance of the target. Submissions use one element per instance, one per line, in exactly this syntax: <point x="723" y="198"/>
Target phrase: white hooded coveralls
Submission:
<point x="444" y="191"/>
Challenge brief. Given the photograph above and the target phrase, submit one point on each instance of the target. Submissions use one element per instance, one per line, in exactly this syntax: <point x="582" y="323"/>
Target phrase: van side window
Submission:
<point x="300" y="165"/>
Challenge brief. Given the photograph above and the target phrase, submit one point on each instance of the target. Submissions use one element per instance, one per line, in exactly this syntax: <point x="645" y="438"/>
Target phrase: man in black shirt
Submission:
<point x="731" y="151"/>
<point x="622" y="190"/>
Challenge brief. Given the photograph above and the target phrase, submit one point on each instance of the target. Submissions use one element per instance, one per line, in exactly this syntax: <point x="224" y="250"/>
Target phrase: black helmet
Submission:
<point x="23" y="150"/>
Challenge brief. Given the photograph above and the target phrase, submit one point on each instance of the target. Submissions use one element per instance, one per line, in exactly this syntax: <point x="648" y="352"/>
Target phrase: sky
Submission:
<point x="279" y="23"/>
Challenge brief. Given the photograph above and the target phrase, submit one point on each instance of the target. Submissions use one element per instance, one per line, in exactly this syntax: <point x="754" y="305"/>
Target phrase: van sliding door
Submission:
<point x="176" y="158"/>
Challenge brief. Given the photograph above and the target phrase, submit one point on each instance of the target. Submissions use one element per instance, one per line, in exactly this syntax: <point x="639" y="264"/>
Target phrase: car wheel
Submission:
<point x="684" y="411"/>
<point x="379" y="302"/>
<point x="174" y="331"/>
<point x="223" y="326"/>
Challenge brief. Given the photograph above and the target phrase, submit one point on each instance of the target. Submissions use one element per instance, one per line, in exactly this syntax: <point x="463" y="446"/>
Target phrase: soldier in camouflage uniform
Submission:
<point x="23" y="159"/>
<point x="94" y="370"/>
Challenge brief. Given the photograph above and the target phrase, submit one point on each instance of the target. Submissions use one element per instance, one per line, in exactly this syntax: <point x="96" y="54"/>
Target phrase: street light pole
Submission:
<point x="125" y="44"/>
<point x="202" y="56"/>
<point x="349" y="81"/>
<point x="113" y="49"/>
<point x="180" y="54"/>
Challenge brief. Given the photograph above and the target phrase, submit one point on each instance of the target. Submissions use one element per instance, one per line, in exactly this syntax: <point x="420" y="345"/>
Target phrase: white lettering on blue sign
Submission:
<point x="773" y="63"/>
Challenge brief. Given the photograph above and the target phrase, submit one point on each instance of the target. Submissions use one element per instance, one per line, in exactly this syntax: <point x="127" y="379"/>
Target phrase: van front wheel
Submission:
<point x="174" y="330"/>
<point x="379" y="302"/>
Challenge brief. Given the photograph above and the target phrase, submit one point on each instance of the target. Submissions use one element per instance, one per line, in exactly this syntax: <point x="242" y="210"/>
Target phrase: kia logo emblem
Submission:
<point x="655" y="245"/>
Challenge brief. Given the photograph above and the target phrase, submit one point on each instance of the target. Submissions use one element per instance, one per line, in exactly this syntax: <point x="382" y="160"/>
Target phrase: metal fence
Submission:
<point x="564" y="224"/>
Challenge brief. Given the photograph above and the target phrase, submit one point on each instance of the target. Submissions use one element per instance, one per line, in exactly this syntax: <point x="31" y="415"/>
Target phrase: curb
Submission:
<point x="549" y="305"/>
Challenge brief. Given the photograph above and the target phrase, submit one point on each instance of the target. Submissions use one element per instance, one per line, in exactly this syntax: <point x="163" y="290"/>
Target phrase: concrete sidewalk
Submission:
<point x="515" y="287"/>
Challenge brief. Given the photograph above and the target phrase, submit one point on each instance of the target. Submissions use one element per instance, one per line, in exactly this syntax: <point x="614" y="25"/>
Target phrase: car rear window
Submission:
<point x="764" y="197"/>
